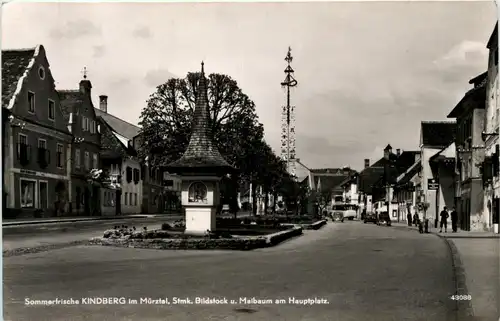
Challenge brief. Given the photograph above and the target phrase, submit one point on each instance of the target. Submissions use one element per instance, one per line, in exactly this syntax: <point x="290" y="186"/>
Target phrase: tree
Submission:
<point x="166" y="120"/>
<point x="323" y="199"/>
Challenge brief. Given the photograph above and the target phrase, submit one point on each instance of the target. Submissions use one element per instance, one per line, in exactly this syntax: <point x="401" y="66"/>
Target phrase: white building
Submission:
<point x="437" y="149"/>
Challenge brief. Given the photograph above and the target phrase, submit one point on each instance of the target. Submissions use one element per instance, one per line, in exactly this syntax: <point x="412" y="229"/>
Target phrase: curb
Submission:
<point x="464" y="310"/>
<point x="276" y="238"/>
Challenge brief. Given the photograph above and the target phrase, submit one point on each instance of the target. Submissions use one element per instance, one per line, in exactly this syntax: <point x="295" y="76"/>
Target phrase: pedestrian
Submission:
<point x="444" y="218"/>
<point x="454" y="220"/>
<point x="409" y="219"/>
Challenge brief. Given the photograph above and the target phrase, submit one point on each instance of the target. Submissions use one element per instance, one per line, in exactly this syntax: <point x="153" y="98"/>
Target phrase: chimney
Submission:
<point x="103" y="103"/>
<point x="387" y="151"/>
<point x="367" y="163"/>
<point x="398" y="152"/>
<point x="85" y="86"/>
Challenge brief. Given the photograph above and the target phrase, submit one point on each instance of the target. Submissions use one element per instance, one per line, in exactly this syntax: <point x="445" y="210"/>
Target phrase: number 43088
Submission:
<point x="464" y="297"/>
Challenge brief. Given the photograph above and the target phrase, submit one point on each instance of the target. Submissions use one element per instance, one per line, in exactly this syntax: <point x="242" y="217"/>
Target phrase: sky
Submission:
<point x="368" y="72"/>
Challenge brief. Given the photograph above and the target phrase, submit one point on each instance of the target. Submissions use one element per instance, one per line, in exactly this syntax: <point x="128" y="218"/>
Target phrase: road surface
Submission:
<point x="363" y="271"/>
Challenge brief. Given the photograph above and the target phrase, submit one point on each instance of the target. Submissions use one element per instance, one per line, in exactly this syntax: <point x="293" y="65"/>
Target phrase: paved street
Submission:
<point x="365" y="272"/>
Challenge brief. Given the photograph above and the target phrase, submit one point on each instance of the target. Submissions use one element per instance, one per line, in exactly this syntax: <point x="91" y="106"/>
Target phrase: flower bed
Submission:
<point x="160" y="239"/>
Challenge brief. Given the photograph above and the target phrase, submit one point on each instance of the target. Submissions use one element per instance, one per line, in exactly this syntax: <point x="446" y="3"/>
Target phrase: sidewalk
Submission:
<point x="449" y="234"/>
<point x="49" y="220"/>
<point x="476" y="261"/>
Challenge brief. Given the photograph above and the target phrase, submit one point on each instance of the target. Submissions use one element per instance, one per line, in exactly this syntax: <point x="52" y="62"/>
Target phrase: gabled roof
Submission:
<point x="437" y="133"/>
<point x="493" y="37"/>
<point x="122" y="127"/>
<point x="406" y="160"/>
<point x="16" y="65"/>
<point x="368" y="177"/>
<point x="449" y="152"/>
<point x="69" y="100"/>
<point x="119" y="138"/>
<point x="475" y="98"/>
<point x="410" y="173"/>
<point x="329" y="183"/>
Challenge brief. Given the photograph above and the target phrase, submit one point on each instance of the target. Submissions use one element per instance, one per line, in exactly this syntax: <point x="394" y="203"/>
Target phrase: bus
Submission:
<point x="348" y="210"/>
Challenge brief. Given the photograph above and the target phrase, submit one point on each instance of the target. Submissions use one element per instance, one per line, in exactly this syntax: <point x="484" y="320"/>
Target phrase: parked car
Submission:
<point x="370" y="218"/>
<point x="384" y="219"/>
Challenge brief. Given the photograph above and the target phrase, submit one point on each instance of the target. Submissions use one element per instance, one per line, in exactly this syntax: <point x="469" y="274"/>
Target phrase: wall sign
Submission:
<point x="432" y="184"/>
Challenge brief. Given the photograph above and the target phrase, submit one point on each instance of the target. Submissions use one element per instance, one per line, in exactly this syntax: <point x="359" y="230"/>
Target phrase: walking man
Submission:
<point x="454" y="220"/>
<point x="444" y="217"/>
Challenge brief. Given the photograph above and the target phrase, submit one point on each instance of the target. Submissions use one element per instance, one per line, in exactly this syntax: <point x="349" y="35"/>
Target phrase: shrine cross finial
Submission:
<point x="289" y="57"/>
<point x="84" y="72"/>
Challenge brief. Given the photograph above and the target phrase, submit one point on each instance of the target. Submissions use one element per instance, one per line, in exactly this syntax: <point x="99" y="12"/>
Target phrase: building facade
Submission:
<point x="36" y="175"/>
<point x="406" y="189"/>
<point x="119" y="159"/>
<point x="491" y="202"/>
<point x="469" y="113"/>
<point x="84" y="151"/>
<point x="435" y="137"/>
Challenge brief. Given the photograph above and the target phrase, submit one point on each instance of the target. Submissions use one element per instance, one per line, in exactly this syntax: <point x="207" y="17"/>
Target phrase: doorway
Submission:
<point x="43" y="189"/>
<point x="118" y="202"/>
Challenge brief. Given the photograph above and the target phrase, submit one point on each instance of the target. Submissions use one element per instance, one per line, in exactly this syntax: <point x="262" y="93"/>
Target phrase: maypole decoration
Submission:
<point x="288" y="119"/>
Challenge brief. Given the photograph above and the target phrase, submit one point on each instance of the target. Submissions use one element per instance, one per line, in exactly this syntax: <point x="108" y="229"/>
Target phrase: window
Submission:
<point x="125" y="198"/>
<point x="77" y="158"/>
<point x="31" y="101"/>
<point x="87" y="160"/>
<point x="83" y="123"/>
<point x="23" y="149"/>
<point x="43" y="157"/>
<point x="94" y="161"/>
<point x="27" y="193"/>
<point x="137" y="176"/>
<point x="129" y="174"/>
<point x="52" y="110"/>
<point x="92" y="127"/>
<point x="60" y="155"/>
<point x="87" y="124"/>
<point x="41" y="73"/>
<point x="130" y="199"/>
<point x="135" y="199"/>
<point x="42" y="143"/>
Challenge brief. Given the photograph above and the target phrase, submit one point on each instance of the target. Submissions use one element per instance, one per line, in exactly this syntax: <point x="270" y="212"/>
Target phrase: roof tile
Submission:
<point x="438" y="133"/>
<point x="14" y="64"/>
